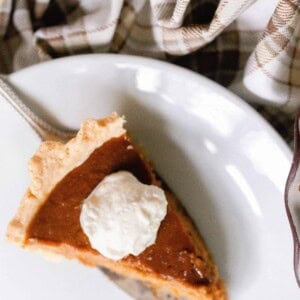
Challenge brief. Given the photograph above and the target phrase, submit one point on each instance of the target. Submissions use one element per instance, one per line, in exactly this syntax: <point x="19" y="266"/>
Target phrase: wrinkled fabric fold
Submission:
<point x="222" y="39"/>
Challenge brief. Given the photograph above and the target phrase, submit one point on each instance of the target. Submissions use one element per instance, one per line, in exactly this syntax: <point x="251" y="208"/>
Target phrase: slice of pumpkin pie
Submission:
<point x="96" y="199"/>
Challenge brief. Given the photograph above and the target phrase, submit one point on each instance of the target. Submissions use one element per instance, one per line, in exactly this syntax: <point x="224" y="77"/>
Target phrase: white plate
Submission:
<point x="224" y="162"/>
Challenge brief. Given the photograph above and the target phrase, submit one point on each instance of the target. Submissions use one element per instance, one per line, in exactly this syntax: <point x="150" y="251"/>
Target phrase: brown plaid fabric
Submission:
<point x="223" y="40"/>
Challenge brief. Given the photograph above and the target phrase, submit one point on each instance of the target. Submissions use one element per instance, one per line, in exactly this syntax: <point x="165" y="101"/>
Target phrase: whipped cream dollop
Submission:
<point x="122" y="215"/>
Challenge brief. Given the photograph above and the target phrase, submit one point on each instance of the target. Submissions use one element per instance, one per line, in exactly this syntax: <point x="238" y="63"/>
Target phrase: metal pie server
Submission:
<point x="47" y="131"/>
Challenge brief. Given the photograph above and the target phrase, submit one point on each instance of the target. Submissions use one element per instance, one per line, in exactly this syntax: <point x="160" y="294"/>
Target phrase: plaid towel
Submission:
<point x="251" y="46"/>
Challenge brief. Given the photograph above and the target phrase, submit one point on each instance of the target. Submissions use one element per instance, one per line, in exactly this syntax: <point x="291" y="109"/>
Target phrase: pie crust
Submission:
<point x="51" y="163"/>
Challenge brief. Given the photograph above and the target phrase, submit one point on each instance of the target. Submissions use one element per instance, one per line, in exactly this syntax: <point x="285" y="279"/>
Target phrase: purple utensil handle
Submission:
<point x="292" y="199"/>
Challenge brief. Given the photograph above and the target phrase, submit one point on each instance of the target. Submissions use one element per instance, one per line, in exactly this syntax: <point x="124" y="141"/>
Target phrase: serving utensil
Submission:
<point x="47" y="131"/>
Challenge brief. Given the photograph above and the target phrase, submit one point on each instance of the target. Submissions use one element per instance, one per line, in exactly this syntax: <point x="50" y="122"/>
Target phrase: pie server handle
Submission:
<point x="47" y="131"/>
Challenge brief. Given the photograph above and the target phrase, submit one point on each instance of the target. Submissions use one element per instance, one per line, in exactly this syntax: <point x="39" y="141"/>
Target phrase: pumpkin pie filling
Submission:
<point x="57" y="221"/>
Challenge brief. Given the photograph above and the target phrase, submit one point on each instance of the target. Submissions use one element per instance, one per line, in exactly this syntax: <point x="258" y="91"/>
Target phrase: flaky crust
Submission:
<point x="52" y="161"/>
